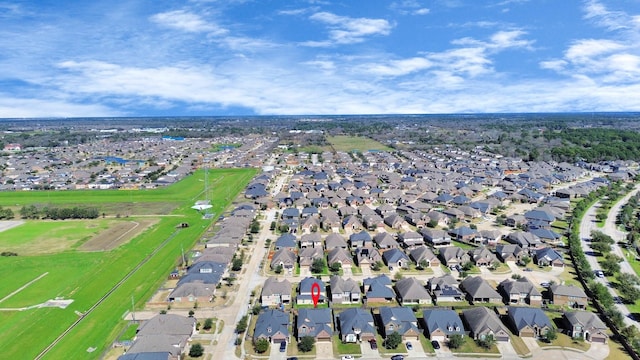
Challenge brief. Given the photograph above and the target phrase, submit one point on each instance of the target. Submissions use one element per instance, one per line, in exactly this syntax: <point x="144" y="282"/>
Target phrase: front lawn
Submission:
<point x="470" y="346"/>
<point x="566" y="341"/>
<point x="519" y="346"/>
<point x="340" y="348"/>
<point x="400" y="349"/>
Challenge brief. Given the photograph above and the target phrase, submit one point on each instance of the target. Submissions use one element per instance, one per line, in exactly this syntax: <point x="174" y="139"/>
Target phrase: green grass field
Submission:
<point x="355" y="143"/>
<point x="85" y="277"/>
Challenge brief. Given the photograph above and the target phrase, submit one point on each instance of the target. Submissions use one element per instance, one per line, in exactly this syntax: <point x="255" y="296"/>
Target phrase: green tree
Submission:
<point x="306" y="343"/>
<point x="241" y="326"/>
<point x="455" y="341"/>
<point x="335" y="267"/>
<point x="278" y="269"/>
<point x="261" y="345"/>
<point x="392" y="341"/>
<point x="196" y="350"/>
<point x="611" y="264"/>
<point x="208" y="324"/>
<point x="601" y="247"/>
<point x="487" y="342"/>
<point x="318" y="265"/>
<point x="551" y="335"/>
<point x="236" y="264"/>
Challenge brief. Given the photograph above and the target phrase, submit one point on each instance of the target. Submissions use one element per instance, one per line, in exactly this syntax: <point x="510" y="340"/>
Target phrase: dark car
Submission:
<point x="292" y="358"/>
<point x="374" y="344"/>
<point x="527" y="269"/>
<point x="409" y="346"/>
<point x="397" y="357"/>
<point x="435" y="344"/>
<point x="283" y="346"/>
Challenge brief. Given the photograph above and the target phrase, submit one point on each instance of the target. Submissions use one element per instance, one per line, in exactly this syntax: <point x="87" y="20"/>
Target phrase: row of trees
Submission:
<point x="599" y="292"/>
<point x="55" y="213"/>
<point x="6" y="214"/>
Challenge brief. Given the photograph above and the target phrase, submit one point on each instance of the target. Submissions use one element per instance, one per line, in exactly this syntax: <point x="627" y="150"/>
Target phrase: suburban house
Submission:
<point x="356" y="325"/>
<point x="315" y="322"/>
<point x="378" y="289"/>
<point x="367" y="256"/>
<point x="285" y="258"/>
<point x="478" y="290"/>
<point x="344" y="291"/>
<point x="304" y="291"/>
<point x="571" y="296"/>
<point x="482" y="322"/>
<point x="401" y="320"/>
<point x="409" y="291"/>
<point x="275" y="292"/>
<point x="422" y="254"/>
<point x="384" y="240"/>
<point x="335" y="240"/>
<point x="286" y="241"/>
<point x="549" y="257"/>
<point x="165" y="335"/>
<point x="464" y="233"/>
<point x="308" y="256"/>
<point x="482" y="256"/>
<point x="360" y="239"/>
<point x="439" y="324"/>
<point x="411" y="238"/>
<point x="310" y="240"/>
<point x="445" y="289"/>
<point x="340" y="256"/>
<point x="586" y="325"/>
<point x="510" y="252"/>
<point x="395" y="259"/>
<point x="529" y="321"/>
<point x="272" y="325"/>
<point x="453" y="255"/>
<point x="525" y="240"/>
<point x="436" y="237"/>
<point x="520" y="291"/>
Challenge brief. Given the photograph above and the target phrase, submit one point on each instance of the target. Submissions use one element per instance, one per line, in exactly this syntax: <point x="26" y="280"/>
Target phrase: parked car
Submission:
<point x="435" y="344"/>
<point x="374" y="344"/>
<point x="397" y="357"/>
<point x="409" y="345"/>
<point x="283" y="346"/>
<point x="347" y="357"/>
<point x="292" y="358"/>
<point x="527" y="269"/>
<point x="545" y="284"/>
<point x="599" y="273"/>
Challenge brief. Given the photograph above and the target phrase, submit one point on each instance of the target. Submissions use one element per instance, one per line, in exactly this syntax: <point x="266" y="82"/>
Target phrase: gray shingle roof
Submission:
<point x="446" y="320"/>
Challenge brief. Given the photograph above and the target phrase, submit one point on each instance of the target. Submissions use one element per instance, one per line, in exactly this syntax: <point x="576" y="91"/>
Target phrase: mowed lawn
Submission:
<point x="87" y="276"/>
<point x="355" y="143"/>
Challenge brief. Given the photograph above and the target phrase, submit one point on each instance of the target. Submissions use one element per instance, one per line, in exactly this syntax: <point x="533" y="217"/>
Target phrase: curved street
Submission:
<point x="587" y="225"/>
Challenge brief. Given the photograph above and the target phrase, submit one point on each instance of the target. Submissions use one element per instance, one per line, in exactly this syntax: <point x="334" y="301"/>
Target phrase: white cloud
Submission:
<point x="399" y="67"/>
<point x="347" y="30"/>
<point x="603" y="61"/>
<point x="186" y="21"/>
<point x="12" y="107"/>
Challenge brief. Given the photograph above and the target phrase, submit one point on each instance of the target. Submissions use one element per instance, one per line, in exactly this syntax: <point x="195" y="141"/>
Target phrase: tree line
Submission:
<point x="57" y="213"/>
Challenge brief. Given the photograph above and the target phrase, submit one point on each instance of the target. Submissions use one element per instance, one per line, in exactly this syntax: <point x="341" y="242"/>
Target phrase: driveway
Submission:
<point x="367" y="352"/>
<point x="324" y="350"/>
<point x="507" y="350"/>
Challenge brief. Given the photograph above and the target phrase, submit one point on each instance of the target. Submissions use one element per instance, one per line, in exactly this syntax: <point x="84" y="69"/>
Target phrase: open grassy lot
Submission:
<point x="86" y="277"/>
<point x="355" y="143"/>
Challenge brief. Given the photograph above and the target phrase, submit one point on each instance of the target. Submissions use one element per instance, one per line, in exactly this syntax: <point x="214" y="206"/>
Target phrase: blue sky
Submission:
<point x="261" y="57"/>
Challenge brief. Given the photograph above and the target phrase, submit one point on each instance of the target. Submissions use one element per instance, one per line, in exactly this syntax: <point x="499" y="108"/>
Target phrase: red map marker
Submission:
<point x="315" y="293"/>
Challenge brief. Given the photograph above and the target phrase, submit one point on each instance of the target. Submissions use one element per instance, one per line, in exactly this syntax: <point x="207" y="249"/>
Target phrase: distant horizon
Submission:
<point x="310" y="116"/>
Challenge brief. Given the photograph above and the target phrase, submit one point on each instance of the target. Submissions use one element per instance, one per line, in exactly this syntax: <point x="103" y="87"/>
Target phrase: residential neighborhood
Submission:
<point x="443" y="252"/>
